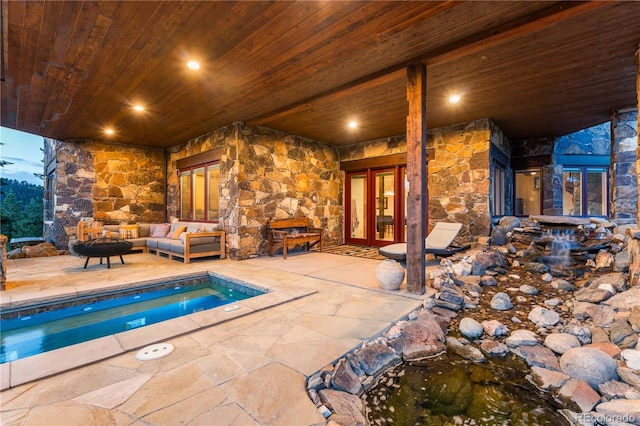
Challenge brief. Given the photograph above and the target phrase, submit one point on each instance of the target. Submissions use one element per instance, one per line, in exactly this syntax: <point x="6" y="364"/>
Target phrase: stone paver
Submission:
<point x="244" y="370"/>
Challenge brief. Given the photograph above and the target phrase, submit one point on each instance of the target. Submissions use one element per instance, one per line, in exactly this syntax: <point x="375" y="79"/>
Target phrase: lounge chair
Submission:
<point x="439" y="243"/>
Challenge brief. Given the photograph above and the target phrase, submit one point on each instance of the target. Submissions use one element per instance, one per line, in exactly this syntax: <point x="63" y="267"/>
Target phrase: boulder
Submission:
<point x="495" y="328"/>
<point x="493" y="348"/>
<point x="627" y="410"/>
<point x="344" y="405"/>
<point x="521" y="338"/>
<point x="580" y="393"/>
<point x="422" y="338"/>
<point x="589" y="364"/>
<point x="548" y="379"/>
<point x="344" y="378"/>
<point x="581" y="332"/>
<point x="561" y="342"/>
<point x="375" y="359"/>
<point x="631" y="357"/>
<point x="501" y="302"/>
<point x="470" y="328"/>
<point x="465" y="351"/>
<point x="621" y="333"/>
<point x="543" y="317"/>
<point x="538" y="356"/>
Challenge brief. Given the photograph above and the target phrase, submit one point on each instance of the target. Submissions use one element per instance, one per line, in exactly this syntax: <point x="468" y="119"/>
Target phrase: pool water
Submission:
<point x="34" y="330"/>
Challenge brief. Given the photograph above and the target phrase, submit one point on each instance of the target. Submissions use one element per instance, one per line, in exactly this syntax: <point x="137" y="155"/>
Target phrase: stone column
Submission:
<point x="552" y="201"/>
<point x="3" y="260"/>
<point x="624" y="174"/>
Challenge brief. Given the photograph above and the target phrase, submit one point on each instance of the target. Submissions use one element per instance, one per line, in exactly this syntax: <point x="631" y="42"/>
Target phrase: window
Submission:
<point x="200" y="192"/>
<point x="49" y="196"/>
<point x="528" y="190"/>
<point x="584" y="191"/>
<point x="498" y="188"/>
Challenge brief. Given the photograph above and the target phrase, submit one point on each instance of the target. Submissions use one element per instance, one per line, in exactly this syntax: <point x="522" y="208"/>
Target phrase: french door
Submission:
<point x="375" y="206"/>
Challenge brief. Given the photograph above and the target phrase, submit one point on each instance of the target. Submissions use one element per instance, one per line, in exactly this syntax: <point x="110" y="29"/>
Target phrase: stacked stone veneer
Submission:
<point x="110" y="182"/>
<point x="267" y="174"/>
<point x="458" y="176"/>
<point x="624" y="176"/>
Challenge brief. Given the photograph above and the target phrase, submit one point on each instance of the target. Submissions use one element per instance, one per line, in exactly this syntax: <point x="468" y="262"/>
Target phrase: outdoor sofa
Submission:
<point x="185" y="240"/>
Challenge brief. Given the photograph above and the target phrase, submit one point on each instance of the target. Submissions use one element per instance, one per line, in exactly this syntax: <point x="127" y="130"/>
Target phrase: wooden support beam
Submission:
<point x="417" y="177"/>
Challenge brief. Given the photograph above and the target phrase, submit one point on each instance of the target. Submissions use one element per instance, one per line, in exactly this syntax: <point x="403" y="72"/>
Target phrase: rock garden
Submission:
<point x="554" y="297"/>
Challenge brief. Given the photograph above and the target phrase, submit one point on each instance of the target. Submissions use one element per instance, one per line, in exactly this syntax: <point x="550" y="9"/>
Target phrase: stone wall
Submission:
<point x="458" y="175"/>
<point x="267" y="174"/>
<point x="594" y="140"/>
<point x="624" y="174"/>
<point x="372" y="149"/>
<point x="112" y="183"/>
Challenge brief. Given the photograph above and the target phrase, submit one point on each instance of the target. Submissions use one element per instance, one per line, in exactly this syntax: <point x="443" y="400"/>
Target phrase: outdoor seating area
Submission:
<point x="185" y="240"/>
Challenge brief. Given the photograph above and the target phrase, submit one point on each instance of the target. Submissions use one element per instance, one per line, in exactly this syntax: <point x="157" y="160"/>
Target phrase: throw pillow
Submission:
<point x="179" y="230"/>
<point x="160" y="230"/>
<point x="128" y="231"/>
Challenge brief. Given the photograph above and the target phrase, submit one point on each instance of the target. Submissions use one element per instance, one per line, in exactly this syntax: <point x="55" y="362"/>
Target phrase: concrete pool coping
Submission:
<point x="25" y="370"/>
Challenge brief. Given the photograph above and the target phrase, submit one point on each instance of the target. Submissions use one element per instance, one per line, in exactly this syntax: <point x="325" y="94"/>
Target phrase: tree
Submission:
<point x="10" y="214"/>
<point x="30" y="224"/>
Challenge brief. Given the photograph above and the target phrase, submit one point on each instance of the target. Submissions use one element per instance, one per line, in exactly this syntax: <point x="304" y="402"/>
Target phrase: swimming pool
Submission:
<point x="41" y="328"/>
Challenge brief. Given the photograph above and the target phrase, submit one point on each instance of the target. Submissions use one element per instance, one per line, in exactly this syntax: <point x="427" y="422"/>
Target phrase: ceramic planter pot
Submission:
<point x="390" y="274"/>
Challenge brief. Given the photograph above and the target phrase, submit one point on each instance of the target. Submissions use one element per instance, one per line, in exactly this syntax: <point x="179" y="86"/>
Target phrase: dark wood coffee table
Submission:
<point x="103" y="247"/>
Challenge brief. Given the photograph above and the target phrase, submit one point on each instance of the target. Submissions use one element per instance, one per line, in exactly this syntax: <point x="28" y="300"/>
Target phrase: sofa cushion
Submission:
<point x="159" y="230"/>
<point x="164" y="244"/>
<point x="144" y="230"/>
<point x="175" y="235"/>
<point x="194" y="227"/>
<point x="211" y="227"/>
<point x="128" y="231"/>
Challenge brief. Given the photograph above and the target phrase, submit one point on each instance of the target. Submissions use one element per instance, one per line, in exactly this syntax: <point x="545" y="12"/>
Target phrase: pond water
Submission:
<point x="448" y="390"/>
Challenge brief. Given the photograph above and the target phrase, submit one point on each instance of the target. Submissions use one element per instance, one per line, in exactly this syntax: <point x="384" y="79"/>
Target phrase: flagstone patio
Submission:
<point x="247" y="368"/>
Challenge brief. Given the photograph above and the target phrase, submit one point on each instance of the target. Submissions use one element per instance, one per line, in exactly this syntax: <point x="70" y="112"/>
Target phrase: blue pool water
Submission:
<point x="30" y="331"/>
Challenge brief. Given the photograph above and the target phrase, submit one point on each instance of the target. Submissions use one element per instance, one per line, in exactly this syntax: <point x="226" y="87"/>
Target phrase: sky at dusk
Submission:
<point x="24" y="150"/>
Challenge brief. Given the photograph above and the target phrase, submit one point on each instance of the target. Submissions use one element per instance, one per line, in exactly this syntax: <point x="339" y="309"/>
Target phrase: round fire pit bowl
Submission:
<point x="103" y="247"/>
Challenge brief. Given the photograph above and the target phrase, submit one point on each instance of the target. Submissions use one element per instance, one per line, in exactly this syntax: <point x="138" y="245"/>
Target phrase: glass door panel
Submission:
<point x="528" y="200"/>
<point x="185" y="195"/>
<point x="356" y="209"/>
<point x="384" y="205"/>
<point x="571" y="192"/>
<point x="596" y="192"/>
<point x="198" y="193"/>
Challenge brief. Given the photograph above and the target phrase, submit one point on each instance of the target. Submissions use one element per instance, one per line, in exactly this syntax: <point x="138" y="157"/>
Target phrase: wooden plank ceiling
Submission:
<point x="72" y="68"/>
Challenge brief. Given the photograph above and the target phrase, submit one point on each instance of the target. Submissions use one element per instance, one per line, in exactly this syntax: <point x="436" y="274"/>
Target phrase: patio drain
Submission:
<point x="156" y="351"/>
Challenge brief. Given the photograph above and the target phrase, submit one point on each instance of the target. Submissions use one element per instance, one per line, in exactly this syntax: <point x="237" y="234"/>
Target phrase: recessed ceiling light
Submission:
<point x="109" y="131"/>
<point x="193" y="65"/>
<point x="454" y="99"/>
<point x="353" y="124"/>
<point x="138" y="107"/>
